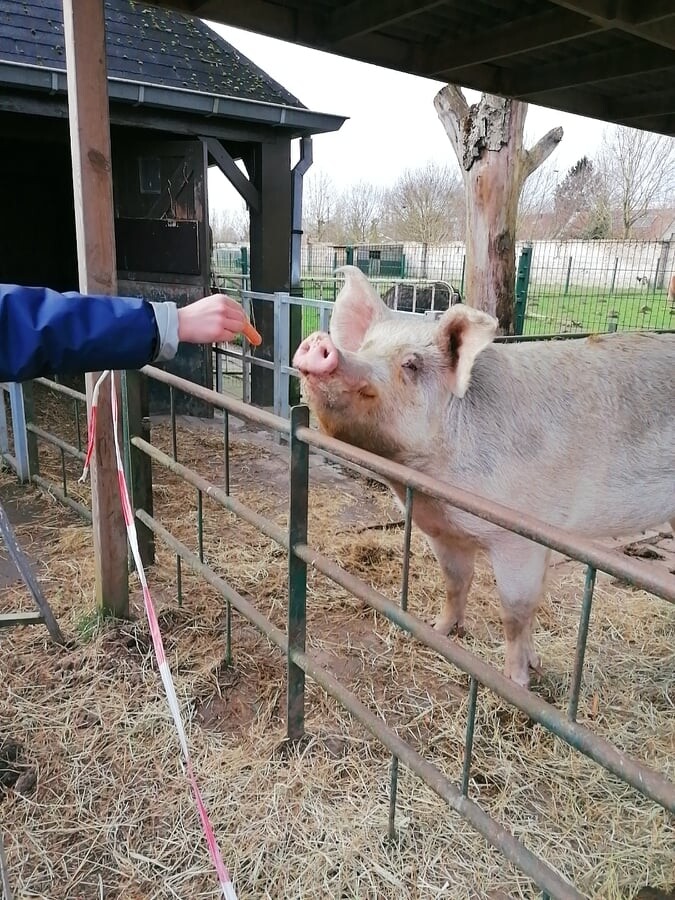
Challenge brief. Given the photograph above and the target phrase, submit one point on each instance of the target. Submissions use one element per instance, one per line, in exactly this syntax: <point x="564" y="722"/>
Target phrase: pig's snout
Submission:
<point x="316" y="355"/>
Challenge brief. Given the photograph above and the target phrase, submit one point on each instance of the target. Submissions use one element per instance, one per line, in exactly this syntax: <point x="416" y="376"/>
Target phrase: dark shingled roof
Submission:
<point x="145" y="44"/>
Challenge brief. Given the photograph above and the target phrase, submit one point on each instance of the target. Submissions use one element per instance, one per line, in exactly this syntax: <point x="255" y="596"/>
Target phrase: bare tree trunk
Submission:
<point x="488" y="141"/>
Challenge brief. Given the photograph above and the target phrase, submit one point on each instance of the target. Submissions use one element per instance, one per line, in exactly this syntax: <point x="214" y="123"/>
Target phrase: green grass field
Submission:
<point x="549" y="312"/>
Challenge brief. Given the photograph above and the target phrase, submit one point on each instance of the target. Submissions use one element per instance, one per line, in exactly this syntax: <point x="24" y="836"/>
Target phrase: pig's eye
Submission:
<point x="411" y="364"/>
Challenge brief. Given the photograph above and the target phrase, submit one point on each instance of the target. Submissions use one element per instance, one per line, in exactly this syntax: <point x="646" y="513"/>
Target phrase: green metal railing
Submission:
<point x="302" y="664"/>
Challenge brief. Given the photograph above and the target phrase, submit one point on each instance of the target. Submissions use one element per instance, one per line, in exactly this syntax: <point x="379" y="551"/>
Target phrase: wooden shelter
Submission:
<point x="181" y="98"/>
<point x="146" y="109"/>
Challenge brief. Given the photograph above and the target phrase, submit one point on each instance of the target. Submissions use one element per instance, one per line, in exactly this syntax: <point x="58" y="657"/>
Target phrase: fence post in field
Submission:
<point x="662" y="264"/>
<point x="616" y="266"/>
<point x="522" y="284"/>
<point x="567" y="277"/>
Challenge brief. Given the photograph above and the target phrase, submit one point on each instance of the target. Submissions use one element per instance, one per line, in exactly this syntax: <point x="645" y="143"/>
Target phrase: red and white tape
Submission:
<point x="164" y="671"/>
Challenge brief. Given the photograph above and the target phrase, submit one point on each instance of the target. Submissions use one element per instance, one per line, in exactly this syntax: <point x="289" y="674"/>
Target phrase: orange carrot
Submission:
<point x="251" y="334"/>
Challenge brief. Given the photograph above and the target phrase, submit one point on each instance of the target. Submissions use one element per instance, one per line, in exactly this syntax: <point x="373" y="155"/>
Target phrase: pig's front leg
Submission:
<point x="456" y="559"/>
<point x="520" y="570"/>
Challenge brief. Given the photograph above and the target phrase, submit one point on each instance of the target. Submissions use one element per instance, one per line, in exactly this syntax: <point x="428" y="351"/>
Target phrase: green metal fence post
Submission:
<point x="297" y="574"/>
<point x="616" y="266"/>
<point x="568" y="276"/>
<point x="522" y="285"/>
<point x="582" y="638"/>
<point x="244" y="260"/>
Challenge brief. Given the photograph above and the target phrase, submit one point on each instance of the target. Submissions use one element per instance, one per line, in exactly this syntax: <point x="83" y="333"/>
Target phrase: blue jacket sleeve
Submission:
<point x="43" y="332"/>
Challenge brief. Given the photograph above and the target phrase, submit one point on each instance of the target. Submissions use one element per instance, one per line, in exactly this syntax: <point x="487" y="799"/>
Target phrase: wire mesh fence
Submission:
<point x="599" y="285"/>
<point x="572" y="286"/>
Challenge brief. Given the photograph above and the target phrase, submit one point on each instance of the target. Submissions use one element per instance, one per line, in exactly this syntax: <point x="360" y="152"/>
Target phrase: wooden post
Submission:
<point x="84" y="29"/>
<point x="270" y="250"/>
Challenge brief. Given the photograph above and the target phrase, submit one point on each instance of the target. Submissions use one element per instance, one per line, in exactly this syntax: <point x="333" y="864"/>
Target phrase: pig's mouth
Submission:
<point x="350" y="413"/>
<point x="331" y="384"/>
<point x="333" y="389"/>
<point x="333" y="394"/>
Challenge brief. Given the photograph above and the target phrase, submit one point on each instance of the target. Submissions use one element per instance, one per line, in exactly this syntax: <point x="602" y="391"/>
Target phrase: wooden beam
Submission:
<point x="643" y="106"/>
<point x="659" y="124"/>
<point x="262" y="16"/>
<point x="520" y="36"/>
<point x="232" y="172"/>
<point x="581" y="103"/>
<point x="84" y="31"/>
<point x="308" y="28"/>
<point x="628" y="12"/>
<point x="595" y="68"/>
<point x="363" y="16"/>
<point x="651" y="20"/>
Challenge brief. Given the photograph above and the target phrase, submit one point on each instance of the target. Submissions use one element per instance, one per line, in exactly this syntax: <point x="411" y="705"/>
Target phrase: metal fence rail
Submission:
<point x="301" y="663"/>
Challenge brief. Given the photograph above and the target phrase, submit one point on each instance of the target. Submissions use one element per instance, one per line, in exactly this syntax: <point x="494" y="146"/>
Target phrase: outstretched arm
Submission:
<point x="44" y="332"/>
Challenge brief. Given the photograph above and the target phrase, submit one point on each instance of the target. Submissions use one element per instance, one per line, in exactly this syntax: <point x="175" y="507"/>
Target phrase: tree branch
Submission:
<point x="452" y="108"/>
<point x="541" y="151"/>
<point x="451" y="97"/>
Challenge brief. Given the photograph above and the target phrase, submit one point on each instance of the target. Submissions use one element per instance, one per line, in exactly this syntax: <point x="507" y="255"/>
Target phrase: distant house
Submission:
<point x="654" y="225"/>
<point x="181" y="98"/>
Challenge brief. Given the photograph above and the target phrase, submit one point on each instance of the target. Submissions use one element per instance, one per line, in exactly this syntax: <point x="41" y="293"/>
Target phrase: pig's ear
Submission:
<point x="462" y="333"/>
<point x="357" y="307"/>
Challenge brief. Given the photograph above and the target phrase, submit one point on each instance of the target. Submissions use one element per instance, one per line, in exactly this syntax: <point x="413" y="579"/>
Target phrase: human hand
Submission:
<point x="213" y="320"/>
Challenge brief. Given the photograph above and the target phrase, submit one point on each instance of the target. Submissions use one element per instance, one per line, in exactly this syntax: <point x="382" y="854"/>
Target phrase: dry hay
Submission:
<point x="104" y="809"/>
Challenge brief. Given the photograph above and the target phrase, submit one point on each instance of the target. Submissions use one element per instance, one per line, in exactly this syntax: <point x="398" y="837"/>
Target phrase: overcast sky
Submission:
<point x="392" y="122"/>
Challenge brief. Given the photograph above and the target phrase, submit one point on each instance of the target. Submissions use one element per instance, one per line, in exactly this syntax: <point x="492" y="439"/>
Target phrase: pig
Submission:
<point x="580" y="434"/>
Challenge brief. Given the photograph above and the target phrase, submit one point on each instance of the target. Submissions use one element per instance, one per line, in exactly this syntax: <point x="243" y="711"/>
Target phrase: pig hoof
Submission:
<point x="535" y="664"/>
<point x="518" y="674"/>
<point x="449" y="626"/>
<point x="520" y="671"/>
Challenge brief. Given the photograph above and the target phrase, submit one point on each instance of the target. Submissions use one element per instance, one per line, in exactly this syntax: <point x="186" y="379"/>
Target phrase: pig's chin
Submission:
<point x="335" y="398"/>
<point x="350" y="415"/>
